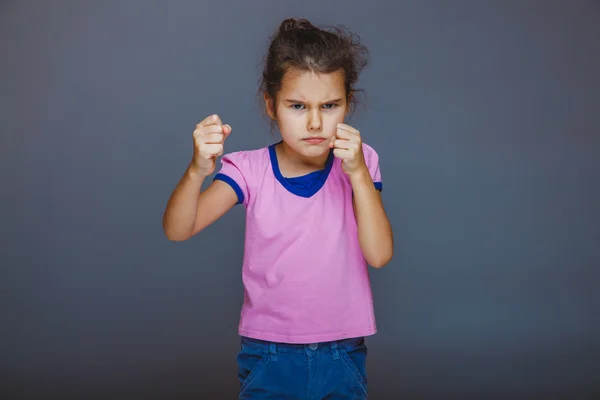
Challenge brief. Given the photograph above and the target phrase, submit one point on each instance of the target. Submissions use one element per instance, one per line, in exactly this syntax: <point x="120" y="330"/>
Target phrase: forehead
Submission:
<point x="312" y="86"/>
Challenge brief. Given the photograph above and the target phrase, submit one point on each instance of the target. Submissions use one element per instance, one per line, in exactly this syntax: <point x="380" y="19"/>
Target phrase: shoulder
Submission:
<point x="372" y="161"/>
<point x="240" y="169"/>
<point x="247" y="158"/>
<point x="370" y="153"/>
<point x="249" y="164"/>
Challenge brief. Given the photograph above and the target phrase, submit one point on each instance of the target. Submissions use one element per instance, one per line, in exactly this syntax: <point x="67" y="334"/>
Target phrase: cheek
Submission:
<point x="286" y="120"/>
<point x="338" y="115"/>
<point x="288" y="124"/>
<point x="333" y="120"/>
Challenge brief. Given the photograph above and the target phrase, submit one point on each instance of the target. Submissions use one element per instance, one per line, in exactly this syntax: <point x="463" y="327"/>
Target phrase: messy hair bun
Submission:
<point x="292" y="24"/>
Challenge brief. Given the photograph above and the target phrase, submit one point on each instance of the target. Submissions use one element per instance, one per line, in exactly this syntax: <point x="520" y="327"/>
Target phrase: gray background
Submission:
<point x="484" y="113"/>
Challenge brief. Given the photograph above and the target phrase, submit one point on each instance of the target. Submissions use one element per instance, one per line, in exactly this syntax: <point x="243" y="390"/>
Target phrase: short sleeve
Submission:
<point x="232" y="173"/>
<point x="372" y="161"/>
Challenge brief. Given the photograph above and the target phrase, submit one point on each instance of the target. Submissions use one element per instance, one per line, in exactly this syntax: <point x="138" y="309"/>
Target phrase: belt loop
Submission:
<point x="334" y="351"/>
<point x="273" y="351"/>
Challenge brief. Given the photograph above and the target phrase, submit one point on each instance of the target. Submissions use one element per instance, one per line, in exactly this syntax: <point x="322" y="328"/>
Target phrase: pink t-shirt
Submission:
<point x="305" y="277"/>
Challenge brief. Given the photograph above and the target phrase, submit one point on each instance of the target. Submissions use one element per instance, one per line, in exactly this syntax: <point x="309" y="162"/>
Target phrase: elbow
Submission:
<point x="174" y="235"/>
<point x="176" y="238"/>
<point x="381" y="259"/>
<point x="380" y="262"/>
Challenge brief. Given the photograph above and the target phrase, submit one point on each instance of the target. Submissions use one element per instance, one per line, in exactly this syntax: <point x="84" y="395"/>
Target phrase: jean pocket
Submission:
<point x="251" y="362"/>
<point x="355" y="361"/>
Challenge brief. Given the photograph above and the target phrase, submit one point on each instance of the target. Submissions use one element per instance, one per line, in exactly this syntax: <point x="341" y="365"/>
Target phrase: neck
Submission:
<point x="292" y="163"/>
<point x="302" y="161"/>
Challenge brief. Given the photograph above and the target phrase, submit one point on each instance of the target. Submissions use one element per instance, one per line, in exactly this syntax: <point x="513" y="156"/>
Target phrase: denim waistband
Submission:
<point x="276" y="347"/>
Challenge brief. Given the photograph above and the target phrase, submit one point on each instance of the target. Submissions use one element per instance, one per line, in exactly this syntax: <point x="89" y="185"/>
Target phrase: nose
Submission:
<point x="315" y="124"/>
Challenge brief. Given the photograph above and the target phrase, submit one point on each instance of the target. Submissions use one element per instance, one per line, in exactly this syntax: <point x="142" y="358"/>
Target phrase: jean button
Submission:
<point x="313" y="346"/>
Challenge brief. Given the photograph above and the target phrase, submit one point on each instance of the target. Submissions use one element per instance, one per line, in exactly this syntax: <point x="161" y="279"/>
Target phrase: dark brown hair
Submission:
<point x="300" y="45"/>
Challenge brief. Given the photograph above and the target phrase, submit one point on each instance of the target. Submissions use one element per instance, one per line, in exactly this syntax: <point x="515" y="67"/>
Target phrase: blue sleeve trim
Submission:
<point x="378" y="186"/>
<point x="233" y="184"/>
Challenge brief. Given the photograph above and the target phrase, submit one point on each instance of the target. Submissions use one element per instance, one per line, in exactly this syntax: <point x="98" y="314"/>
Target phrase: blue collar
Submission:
<point x="305" y="185"/>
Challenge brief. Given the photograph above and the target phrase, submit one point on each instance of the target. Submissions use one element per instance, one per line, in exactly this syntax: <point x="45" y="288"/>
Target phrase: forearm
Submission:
<point x="182" y="208"/>
<point x="374" y="228"/>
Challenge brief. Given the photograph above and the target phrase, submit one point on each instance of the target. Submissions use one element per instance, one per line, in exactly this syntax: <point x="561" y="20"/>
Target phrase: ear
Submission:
<point x="269" y="106"/>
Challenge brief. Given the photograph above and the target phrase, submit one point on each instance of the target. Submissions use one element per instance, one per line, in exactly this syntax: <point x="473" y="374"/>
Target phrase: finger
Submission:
<point x="214" y="138"/>
<point x="344" y="144"/>
<point x="210" y="120"/>
<point x="342" y="153"/>
<point x="344" y="134"/>
<point x="207" y="130"/>
<point x="348" y="128"/>
<point x="332" y="142"/>
<point x="201" y="133"/>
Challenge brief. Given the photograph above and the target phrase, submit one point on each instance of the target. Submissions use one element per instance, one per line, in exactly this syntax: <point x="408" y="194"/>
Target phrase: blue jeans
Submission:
<point x="329" y="370"/>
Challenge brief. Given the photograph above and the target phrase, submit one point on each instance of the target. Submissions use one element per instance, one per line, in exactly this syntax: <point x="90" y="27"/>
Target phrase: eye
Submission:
<point x="297" y="106"/>
<point x="329" y="106"/>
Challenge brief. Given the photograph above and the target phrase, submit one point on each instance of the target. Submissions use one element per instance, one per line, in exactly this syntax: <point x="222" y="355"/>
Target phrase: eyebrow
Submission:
<point x="325" y="102"/>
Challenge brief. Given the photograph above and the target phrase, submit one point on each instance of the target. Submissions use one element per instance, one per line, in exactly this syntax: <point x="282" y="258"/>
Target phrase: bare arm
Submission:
<point x="189" y="211"/>
<point x="374" y="229"/>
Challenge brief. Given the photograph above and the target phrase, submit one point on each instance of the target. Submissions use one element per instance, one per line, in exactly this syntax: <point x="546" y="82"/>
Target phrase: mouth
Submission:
<point x="314" y="140"/>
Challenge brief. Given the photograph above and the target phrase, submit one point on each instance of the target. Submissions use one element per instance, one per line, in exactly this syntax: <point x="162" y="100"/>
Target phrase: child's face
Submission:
<point x="309" y="107"/>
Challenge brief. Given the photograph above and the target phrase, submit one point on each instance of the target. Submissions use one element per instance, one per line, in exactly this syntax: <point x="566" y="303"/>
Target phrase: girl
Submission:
<point x="314" y="221"/>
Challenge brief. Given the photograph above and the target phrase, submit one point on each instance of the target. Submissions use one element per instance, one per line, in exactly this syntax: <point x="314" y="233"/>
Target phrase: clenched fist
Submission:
<point x="209" y="136"/>
<point x="347" y="145"/>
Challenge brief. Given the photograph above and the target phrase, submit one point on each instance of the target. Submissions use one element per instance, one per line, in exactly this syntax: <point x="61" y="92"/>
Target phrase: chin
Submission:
<point x="314" y="151"/>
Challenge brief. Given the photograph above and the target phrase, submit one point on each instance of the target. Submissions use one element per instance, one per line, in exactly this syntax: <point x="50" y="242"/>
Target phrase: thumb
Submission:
<point x="226" y="130"/>
<point x="332" y="142"/>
